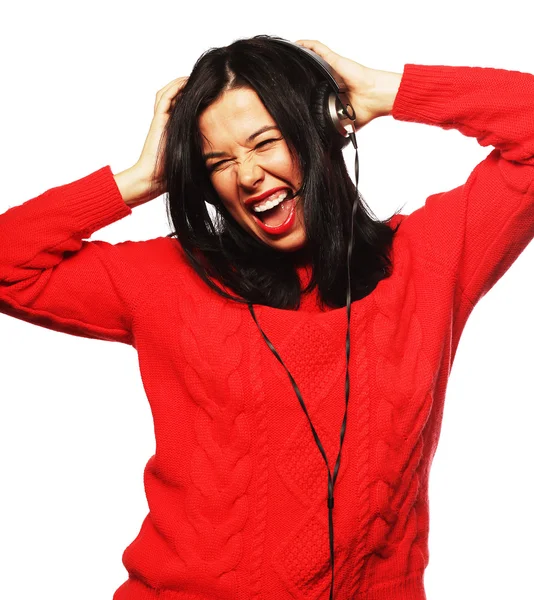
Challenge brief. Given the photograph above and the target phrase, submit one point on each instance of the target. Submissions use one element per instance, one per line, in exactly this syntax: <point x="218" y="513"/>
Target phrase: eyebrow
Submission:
<point x="247" y="141"/>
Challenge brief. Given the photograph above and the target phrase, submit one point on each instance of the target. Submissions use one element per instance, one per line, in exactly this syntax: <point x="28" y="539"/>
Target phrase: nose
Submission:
<point x="249" y="173"/>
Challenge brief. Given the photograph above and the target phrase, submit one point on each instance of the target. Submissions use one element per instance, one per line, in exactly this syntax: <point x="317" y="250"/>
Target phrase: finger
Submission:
<point x="167" y="94"/>
<point x="316" y="46"/>
<point x="321" y="49"/>
<point x="175" y="83"/>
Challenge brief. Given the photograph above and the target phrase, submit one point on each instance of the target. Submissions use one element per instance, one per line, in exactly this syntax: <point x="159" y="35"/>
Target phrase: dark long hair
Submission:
<point x="219" y="249"/>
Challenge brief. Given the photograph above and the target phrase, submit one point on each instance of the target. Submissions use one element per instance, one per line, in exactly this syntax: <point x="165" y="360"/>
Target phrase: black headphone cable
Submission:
<point x="331" y="481"/>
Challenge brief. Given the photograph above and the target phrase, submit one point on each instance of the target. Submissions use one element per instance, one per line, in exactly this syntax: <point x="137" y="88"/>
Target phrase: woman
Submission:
<point x="237" y="487"/>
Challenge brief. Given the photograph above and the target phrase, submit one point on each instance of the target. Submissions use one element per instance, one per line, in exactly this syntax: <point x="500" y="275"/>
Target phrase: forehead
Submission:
<point x="233" y="117"/>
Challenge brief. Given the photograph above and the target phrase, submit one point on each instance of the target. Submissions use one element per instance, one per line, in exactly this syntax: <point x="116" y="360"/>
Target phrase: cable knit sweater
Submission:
<point x="237" y="487"/>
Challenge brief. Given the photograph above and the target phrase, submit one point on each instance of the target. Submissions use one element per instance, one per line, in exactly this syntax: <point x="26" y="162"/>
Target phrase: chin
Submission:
<point x="290" y="243"/>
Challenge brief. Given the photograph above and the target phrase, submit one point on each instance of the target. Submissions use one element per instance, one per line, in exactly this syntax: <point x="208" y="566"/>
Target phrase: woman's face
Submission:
<point x="250" y="163"/>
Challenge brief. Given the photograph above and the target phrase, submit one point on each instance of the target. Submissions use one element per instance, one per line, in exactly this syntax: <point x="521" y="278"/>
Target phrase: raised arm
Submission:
<point x="51" y="277"/>
<point x="477" y="230"/>
<point x="474" y="232"/>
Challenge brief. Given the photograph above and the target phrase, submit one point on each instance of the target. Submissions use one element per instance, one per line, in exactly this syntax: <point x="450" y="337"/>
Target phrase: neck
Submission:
<point x="301" y="257"/>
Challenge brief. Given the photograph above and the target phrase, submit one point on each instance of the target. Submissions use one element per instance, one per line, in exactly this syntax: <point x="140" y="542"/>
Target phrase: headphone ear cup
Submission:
<point x="319" y="110"/>
<point x="330" y="136"/>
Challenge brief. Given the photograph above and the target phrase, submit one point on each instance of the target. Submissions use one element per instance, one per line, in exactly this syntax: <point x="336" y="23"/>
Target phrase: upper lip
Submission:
<point x="254" y="199"/>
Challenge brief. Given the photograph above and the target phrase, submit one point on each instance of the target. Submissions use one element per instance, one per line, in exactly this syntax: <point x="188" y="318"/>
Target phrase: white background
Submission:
<point x="78" y="89"/>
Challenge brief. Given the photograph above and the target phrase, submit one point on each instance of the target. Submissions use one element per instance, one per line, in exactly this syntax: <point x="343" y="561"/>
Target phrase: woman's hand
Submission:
<point x="371" y="92"/>
<point x="148" y="164"/>
<point x="143" y="182"/>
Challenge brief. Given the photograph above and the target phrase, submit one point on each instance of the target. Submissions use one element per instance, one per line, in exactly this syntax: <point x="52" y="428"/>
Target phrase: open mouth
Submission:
<point x="276" y="215"/>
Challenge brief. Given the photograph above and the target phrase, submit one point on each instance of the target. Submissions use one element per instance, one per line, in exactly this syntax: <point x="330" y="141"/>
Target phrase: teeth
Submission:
<point x="273" y="201"/>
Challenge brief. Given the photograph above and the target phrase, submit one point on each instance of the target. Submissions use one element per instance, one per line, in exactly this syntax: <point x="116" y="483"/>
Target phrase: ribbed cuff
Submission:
<point x="95" y="200"/>
<point x="425" y="91"/>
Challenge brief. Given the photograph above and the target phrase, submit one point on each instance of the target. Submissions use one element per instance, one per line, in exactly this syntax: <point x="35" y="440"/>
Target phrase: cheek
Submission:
<point x="233" y="208"/>
<point x="222" y="190"/>
<point x="282" y="162"/>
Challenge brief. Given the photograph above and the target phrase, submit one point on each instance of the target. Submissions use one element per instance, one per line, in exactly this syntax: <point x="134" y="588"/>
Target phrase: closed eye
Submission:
<point x="267" y="141"/>
<point x="210" y="169"/>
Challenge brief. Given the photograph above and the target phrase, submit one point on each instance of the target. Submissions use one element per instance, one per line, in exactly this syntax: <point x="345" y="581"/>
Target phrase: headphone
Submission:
<point x="334" y="112"/>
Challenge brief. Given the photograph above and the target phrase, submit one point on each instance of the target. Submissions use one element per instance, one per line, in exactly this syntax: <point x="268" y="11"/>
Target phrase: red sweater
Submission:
<point x="237" y="487"/>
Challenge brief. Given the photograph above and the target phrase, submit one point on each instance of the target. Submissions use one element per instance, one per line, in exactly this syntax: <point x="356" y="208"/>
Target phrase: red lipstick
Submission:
<point x="254" y="199"/>
<point x="283" y="227"/>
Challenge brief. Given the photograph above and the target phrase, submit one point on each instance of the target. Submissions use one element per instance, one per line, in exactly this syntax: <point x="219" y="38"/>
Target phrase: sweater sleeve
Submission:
<point x="51" y="277"/>
<point x="477" y="230"/>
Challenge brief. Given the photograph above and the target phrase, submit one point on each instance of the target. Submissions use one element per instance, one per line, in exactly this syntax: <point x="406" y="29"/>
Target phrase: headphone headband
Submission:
<point x="340" y="111"/>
